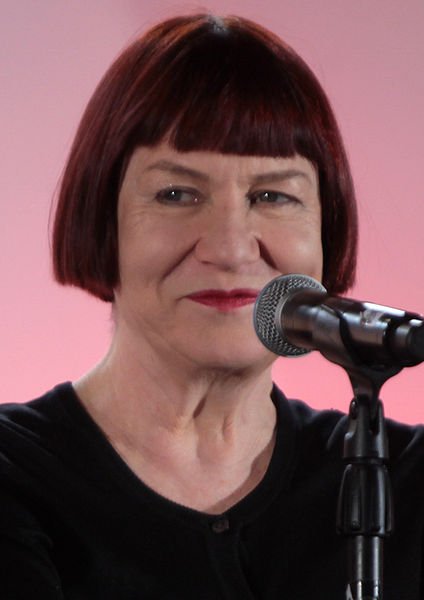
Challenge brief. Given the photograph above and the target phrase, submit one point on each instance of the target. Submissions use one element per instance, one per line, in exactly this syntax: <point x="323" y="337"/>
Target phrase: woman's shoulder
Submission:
<point x="329" y="427"/>
<point x="36" y="414"/>
<point x="307" y="421"/>
<point x="49" y="446"/>
<point x="37" y="432"/>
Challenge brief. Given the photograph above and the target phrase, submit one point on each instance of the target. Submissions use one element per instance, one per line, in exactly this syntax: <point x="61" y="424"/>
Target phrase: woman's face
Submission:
<point x="200" y="234"/>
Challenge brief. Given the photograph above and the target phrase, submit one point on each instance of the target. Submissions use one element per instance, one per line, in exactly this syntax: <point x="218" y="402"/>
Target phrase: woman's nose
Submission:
<point x="228" y="239"/>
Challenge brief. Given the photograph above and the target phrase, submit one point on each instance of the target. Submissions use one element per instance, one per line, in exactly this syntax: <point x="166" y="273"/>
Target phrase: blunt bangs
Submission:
<point x="223" y="90"/>
<point x="201" y="83"/>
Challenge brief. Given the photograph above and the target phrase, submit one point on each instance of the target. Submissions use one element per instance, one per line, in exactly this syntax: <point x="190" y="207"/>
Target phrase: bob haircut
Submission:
<point x="203" y="83"/>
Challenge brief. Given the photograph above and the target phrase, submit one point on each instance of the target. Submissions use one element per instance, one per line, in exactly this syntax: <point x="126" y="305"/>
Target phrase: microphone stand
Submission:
<point x="372" y="344"/>
<point x="365" y="507"/>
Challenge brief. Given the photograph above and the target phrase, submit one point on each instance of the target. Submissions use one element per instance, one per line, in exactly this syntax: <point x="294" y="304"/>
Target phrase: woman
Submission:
<point x="207" y="163"/>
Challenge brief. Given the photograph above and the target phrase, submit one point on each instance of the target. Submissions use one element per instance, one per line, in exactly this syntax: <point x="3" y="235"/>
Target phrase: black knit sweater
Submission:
<point x="76" y="523"/>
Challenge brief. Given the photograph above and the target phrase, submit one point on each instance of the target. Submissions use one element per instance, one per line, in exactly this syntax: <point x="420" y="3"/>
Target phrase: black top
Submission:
<point x="76" y="523"/>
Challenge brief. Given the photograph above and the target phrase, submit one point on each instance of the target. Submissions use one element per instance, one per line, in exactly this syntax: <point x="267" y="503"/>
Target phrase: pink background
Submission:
<point x="369" y="55"/>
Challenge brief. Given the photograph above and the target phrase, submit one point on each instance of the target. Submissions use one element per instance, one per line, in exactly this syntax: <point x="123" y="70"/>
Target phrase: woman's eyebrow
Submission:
<point x="260" y="178"/>
<point x="176" y="169"/>
<point x="280" y="175"/>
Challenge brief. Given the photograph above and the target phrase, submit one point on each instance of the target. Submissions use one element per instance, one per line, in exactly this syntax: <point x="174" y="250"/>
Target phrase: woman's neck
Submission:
<point x="207" y="403"/>
<point x="139" y="387"/>
<point x="184" y="428"/>
<point x="205" y="444"/>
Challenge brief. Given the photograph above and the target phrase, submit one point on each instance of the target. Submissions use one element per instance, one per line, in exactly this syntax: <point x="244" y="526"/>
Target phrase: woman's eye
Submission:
<point x="270" y="197"/>
<point x="178" y="196"/>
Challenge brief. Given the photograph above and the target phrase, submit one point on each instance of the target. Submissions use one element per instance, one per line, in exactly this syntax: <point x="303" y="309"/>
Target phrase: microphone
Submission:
<point x="294" y="314"/>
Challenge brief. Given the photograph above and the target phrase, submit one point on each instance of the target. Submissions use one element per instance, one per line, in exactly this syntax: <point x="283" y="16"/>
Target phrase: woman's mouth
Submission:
<point x="224" y="300"/>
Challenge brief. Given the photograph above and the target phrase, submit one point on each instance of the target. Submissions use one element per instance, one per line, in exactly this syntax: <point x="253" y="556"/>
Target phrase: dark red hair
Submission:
<point x="204" y="83"/>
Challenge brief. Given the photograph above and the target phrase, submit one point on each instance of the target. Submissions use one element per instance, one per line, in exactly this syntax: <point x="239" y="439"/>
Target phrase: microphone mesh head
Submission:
<point x="266" y="315"/>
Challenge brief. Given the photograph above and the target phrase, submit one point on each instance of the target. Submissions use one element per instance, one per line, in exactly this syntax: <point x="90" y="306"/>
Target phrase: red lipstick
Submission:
<point x="224" y="300"/>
